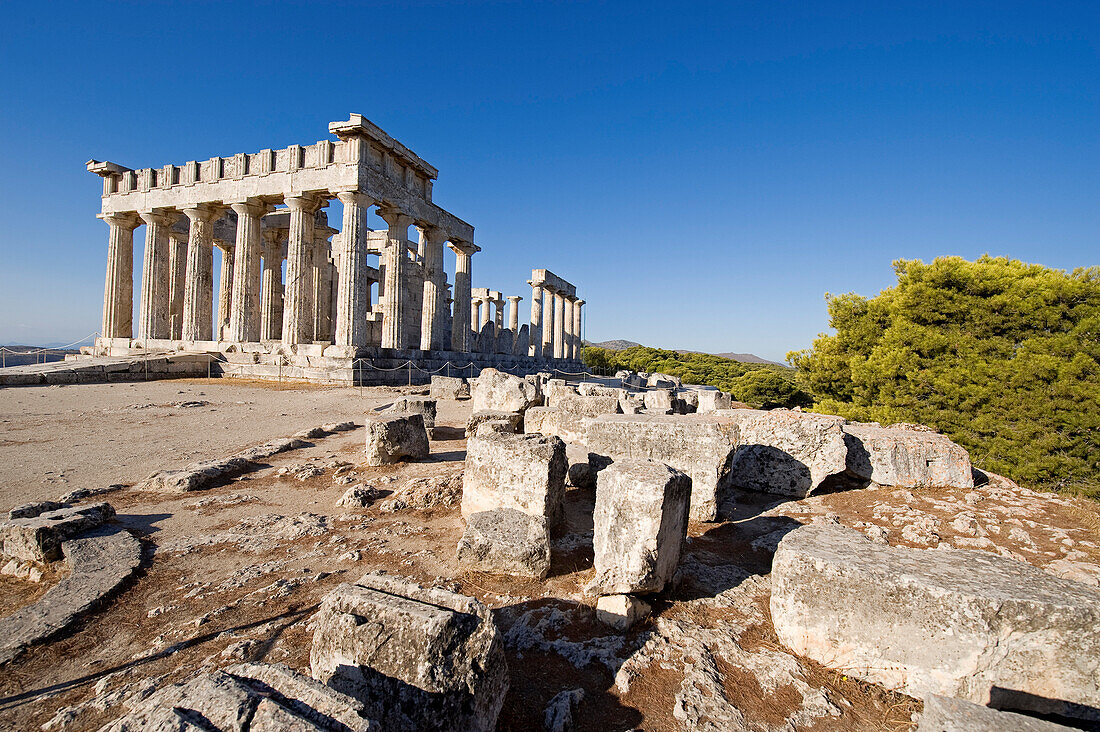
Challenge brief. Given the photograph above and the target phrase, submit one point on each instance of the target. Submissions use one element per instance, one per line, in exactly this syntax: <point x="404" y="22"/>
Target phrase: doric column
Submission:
<point x="225" y="289"/>
<point x="460" y="325"/>
<point x="271" y="288"/>
<point x="118" y="290"/>
<point x="559" y="325"/>
<point x="578" y="342"/>
<point x="244" y="315"/>
<point x="485" y="307"/>
<point x="177" y="279"/>
<point x="547" y="324"/>
<point x="322" y="286"/>
<point x="513" y="313"/>
<point x="498" y="313"/>
<point x="153" y="312"/>
<point x="536" y="320"/>
<point x="431" y="325"/>
<point x="393" y="307"/>
<point x="567" y="326"/>
<point x="353" y="288"/>
<point x="198" y="295"/>
<point x="297" y="310"/>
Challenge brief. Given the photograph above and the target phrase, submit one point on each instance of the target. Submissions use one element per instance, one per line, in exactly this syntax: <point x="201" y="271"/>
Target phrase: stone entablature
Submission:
<point x="265" y="213"/>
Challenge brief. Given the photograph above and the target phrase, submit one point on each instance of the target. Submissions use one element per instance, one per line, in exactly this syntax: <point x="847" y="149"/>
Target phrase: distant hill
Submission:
<point x="621" y="345"/>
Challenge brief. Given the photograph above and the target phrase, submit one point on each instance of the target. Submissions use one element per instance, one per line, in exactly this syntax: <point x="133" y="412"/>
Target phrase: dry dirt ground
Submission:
<point x="235" y="572"/>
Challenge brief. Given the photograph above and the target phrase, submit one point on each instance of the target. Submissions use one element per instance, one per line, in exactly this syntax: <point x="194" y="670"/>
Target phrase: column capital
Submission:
<point x="204" y="212"/>
<point x="304" y="203"/>
<point x="578" y="302"/>
<point x="250" y="207"/>
<point x="514" y="298"/>
<point x="158" y="217"/>
<point x="225" y="246"/>
<point x="395" y="217"/>
<point x="125" y="220"/>
<point x="463" y="247"/>
<point x="357" y="198"/>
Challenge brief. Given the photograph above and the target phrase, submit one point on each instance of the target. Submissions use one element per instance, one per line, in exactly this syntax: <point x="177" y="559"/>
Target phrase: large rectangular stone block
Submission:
<point x="394" y="437"/>
<point x="38" y="538"/>
<point x="524" y="472"/>
<point x="418" y="659"/>
<point x="640" y="523"/>
<point x="568" y="426"/>
<point x="701" y="446"/>
<point x="956" y="622"/>
<point x="497" y="390"/>
<point x="908" y="457"/>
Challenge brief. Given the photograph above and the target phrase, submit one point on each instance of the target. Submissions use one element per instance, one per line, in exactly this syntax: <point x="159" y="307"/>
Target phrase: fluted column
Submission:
<point x="118" y="289"/>
<point x="297" y="310"/>
<point x="322" y="286"/>
<point x="513" y="313"/>
<point x="559" y="325"/>
<point x="225" y="289"/>
<point x="177" y="279"/>
<point x="460" y="325"/>
<point x="536" y="320"/>
<point x="153" y="319"/>
<point x="271" y="288"/>
<point x="353" y="288"/>
<point x="486" y="310"/>
<point x="244" y="312"/>
<point x="548" y="324"/>
<point x="578" y="341"/>
<point x="431" y="325"/>
<point x="198" y="295"/>
<point x="393" y="307"/>
<point x="567" y="327"/>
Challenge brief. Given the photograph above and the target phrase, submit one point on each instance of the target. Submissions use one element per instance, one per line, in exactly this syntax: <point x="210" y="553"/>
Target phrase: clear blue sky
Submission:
<point x="705" y="173"/>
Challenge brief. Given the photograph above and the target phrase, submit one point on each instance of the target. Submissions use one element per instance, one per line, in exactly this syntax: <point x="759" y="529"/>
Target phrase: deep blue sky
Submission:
<point x="704" y="173"/>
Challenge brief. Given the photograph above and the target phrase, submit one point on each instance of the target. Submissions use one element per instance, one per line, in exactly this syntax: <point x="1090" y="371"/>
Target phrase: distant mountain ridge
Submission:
<point x="622" y="345"/>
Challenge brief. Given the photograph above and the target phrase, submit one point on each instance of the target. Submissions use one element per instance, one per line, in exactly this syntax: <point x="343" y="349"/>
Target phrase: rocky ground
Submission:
<point x="235" y="572"/>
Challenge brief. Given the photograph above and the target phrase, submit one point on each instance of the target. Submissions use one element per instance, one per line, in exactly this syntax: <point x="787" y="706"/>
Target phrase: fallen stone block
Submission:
<point x="501" y="426"/>
<point x="418" y="659"/>
<point x="712" y="400"/>
<point x="621" y="612"/>
<point x="568" y="426"/>
<point x="197" y="476"/>
<point x="908" y="458"/>
<point x="594" y="389"/>
<point x="960" y="623"/>
<point x="556" y="389"/>
<point x="663" y="381"/>
<point x="944" y="714"/>
<point x="525" y="472"/>
<point x="515" y="419"/>
<point x="415" y="405"/>
<point x="700" y="445"/>
<point x="39" y="538"/>
<point x="639" y="526"/>
<point x="658" y="401"/>
<point x="506" y="541"/>
<point x="449" y="387"/>
<point x="250" y="697"/>
<point x="395" y="437"/>
<point x="589" y="406"/>
<point x="500" y="391"/>
<point x="790" y="453"/>
<point x="30" y="510"/>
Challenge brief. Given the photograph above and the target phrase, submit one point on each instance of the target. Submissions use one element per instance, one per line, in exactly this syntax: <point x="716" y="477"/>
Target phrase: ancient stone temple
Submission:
<point x="298" y="296"/>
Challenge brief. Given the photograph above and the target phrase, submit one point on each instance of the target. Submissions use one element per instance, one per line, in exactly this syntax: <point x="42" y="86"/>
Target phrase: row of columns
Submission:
<point x="555" y="323"/>
<point x="254" y="303"/>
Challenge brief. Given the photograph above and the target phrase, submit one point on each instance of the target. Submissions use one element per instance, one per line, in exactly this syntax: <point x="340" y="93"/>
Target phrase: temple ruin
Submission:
<point x="298" y="298"/>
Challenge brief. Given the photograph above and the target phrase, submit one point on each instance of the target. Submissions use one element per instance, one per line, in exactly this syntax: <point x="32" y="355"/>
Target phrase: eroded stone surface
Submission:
<point x="449" y="387"/>
<point x="418" y="659"/>
<point x="426" y="408"/>
<point x="513" y="419"/>
<point x="38" y="538"/>
<point x="497" y="390"/>
<point x="395" y="437"/>
<point x="952" y="622"/>
<point x="506" y="541"/>
<point x="910" y="458"/>
<point x="944" y="714"/>
<point x="525" y="472"/>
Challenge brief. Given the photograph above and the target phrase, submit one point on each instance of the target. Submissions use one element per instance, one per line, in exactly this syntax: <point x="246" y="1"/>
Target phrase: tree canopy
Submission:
<point x="758" y="385"/>
<point x="1002" y="356"/>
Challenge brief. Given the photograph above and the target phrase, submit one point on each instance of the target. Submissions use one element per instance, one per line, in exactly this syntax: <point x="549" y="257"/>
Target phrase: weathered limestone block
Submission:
<point x="700" y="445"/>
<point x="908" y="458"/>
<point x="449" y="387"/>
<point x="418" y="659"/>
<point x="658" y="401"/>
<point x="415" y="405"/>
<point x="570" y="422"/>
<point x="639" y="526"/>
<point x="500" y="391"/>
<point x="249" y="697"/>
<point x="30" y="510"/>
<point x="556" y="389"/>
<point x="621" y="612"/>
<point x="959" y="623"/>
<point x="501" y="426"/>
<point x="690" y="398"/>
<point x="39" y="538"/>
<point x="589" y="406"/>
<point x="789" y="453"/>
<point x="944" y="714"/>
<point x="393" y="437"/>
<point x="515" y="419"/>
<point x="506" y="541"/>
<point x="662" y="381"/>
<point x="712" y="400"/>
<point x="525" y="472"/>
<point x="593" y="389"/>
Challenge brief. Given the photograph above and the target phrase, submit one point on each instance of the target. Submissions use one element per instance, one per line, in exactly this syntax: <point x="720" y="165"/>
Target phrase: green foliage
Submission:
<point x="759" y="385"/>
<point x="1002" y="356"/>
